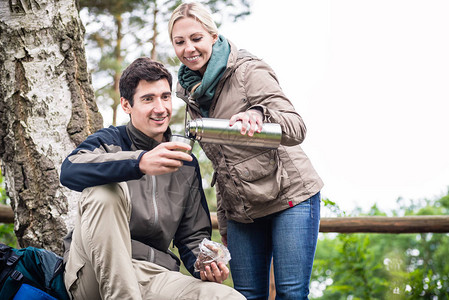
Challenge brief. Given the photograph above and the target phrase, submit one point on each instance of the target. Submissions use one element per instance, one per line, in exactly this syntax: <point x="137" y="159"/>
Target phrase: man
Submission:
<point x="138" y="195"/>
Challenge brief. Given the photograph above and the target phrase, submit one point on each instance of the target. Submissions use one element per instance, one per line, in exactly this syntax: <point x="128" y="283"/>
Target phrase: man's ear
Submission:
<point x="126" y="106"/>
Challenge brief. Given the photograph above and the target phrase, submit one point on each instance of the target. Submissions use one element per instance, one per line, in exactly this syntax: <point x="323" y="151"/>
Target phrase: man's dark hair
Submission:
<point x="142" y="68"/>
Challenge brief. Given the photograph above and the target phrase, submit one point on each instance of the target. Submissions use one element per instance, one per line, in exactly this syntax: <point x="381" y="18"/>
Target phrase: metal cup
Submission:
<point x="183" y="139"/>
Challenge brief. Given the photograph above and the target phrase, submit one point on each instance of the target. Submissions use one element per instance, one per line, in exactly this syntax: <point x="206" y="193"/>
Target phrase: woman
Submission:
<point x="268" y="200"/>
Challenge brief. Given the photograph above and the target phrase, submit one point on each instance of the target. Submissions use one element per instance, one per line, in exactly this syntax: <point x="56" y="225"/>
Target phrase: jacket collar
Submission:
<point x="236" y="58"/>
<point x="141" y="141"/>
<point x="230" y="66"/>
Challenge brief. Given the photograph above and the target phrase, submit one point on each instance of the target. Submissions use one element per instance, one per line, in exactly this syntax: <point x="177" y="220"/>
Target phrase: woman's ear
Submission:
<point x="215" y="38"/>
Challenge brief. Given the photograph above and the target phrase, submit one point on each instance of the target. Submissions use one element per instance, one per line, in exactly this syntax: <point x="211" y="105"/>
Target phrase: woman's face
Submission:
<point x="192" y="43"/>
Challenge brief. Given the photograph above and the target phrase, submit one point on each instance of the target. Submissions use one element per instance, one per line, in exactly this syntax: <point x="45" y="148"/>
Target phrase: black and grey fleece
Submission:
<point x="165" y="208"/>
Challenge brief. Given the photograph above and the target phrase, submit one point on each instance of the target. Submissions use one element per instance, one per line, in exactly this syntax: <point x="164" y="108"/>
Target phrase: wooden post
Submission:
<point x="6" y="214"/>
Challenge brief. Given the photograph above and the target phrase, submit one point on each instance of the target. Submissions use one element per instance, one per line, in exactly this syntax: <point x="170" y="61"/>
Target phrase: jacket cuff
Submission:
<point x="264" y="110"/>
<point x="222" y="222"/>
<point x="138" y="161"/>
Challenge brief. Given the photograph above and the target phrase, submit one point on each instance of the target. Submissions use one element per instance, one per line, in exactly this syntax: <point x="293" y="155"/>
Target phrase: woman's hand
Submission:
<point x="252" y="121"/>
<point x="224" y="240"/>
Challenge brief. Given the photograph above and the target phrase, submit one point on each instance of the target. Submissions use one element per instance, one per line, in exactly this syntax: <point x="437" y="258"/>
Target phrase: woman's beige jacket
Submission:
<point x="255" y="182"/>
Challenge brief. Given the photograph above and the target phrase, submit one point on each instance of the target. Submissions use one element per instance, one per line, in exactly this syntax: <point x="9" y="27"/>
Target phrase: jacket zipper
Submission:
<point x="156" y="213"/>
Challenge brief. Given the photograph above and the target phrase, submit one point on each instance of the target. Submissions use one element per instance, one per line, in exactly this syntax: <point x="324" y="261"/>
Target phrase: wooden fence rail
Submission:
<point x="368" y="224"/>
<point x="375" y="224"/>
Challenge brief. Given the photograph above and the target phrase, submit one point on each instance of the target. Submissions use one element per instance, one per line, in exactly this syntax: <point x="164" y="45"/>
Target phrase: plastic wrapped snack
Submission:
<point x="211" y="251"/>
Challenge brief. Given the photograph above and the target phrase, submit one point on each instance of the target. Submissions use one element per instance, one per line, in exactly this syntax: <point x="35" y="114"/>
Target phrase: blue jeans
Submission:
<point x="289" y="237"/>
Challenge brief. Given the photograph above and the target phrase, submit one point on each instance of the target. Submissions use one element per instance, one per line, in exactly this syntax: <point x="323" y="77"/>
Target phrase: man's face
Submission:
<point x="152" y="109"/>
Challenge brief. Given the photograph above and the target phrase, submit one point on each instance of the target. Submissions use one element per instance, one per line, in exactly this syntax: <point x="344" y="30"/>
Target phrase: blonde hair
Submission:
<point x="195" y="11"/>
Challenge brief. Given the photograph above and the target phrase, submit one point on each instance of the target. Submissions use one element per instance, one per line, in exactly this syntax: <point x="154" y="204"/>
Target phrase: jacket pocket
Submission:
<point x="230" y="198"/>
<point x="260" y="177"/>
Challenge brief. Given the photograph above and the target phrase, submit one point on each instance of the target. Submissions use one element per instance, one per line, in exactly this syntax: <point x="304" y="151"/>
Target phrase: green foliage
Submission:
<point x="351" y="266"/>
<point x="384" y="266"/>
<point x="7" y="235"/>
<point x="333" y="208"/>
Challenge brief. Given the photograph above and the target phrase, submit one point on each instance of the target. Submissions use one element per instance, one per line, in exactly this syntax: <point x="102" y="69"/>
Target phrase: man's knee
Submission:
<point x="104" y="197"/>
<point x="223" y="292"/>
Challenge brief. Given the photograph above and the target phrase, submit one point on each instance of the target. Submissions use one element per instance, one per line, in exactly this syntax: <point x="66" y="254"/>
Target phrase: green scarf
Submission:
<point x="216" y="66"/>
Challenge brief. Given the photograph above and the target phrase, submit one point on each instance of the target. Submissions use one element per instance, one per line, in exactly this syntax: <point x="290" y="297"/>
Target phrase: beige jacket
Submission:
<point x="255" y="182"/>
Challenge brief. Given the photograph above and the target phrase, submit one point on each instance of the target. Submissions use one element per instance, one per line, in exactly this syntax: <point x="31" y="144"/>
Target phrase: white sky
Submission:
<point x="371" y="81"/>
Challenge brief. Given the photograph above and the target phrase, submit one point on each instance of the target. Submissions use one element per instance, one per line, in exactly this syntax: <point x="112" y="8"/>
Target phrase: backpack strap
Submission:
<point x="8" y="259"/>
<point x="11" y="285"/>
<point x="4" y="247"/>
<point x="10" y="279"/>
<point x="16" y="275"/>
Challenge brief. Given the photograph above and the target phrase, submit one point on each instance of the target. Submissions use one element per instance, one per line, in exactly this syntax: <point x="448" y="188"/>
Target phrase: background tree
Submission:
<point x="46" y="108"/>
<point x="113" y="21"/>
<point x="119" y="31"/>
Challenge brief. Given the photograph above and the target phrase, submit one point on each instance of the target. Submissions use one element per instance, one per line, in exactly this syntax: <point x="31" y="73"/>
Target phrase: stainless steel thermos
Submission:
<point x="218" y="131"/>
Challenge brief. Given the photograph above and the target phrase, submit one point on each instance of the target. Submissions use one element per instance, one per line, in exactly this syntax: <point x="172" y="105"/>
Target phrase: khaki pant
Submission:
<point x="100" y="264"/>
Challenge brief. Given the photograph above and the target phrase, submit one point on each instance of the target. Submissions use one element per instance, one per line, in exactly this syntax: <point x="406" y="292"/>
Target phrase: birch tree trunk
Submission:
<point x="47" y="107"/>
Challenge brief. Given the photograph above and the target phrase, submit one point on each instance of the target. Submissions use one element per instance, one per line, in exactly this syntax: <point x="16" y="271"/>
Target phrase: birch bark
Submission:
<point x="47" y="107"/>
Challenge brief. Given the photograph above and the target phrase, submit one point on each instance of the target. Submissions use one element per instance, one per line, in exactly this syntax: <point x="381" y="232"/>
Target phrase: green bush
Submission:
<point x="7" y="235"/>
<point x="385" y="266"/>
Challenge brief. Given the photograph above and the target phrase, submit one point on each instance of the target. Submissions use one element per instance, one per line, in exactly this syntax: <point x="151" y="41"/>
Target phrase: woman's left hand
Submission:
<point x="252" y="121"/>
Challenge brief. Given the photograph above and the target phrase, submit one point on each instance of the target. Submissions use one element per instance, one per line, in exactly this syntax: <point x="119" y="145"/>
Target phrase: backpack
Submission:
<point x="31" y="273"/>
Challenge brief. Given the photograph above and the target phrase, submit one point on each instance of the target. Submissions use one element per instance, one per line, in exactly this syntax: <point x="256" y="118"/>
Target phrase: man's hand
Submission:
<point x="215" y="272"/>
<point x="164" y="159"/>
<point x="252" y="121"/>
